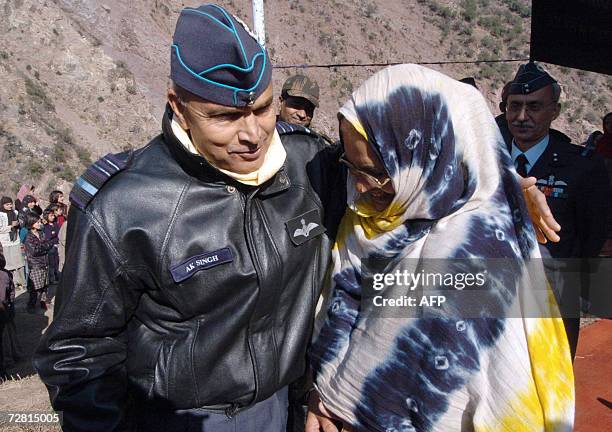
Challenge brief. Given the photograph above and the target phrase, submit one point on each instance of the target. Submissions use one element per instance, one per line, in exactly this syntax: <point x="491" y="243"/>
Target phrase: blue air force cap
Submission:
<point x="529" y="78"/>
<point x="216" y="57"/>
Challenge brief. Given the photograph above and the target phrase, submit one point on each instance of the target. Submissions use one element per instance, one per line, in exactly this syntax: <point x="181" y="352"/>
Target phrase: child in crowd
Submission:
<point x="51" y="229"/>
<point x="37" y="249"/>
<point x="56" y="197"/>
<point x="60" y="214"/>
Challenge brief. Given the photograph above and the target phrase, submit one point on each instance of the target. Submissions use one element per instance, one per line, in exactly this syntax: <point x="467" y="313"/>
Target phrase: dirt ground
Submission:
<point x="25" y="391"/>
<point x="593" y="370"/>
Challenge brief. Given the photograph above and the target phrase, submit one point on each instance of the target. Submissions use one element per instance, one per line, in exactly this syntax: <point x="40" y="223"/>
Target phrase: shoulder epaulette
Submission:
<point x="284" y="128"/>
<point x="91" y="181"/>
<point x="589" y="146"/>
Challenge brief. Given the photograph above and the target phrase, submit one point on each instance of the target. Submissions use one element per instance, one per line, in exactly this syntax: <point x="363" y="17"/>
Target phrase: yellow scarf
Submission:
<point x="364" y="214"/>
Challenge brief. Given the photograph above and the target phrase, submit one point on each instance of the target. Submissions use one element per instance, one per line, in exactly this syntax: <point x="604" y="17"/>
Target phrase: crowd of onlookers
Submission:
<point x="32" y="242"/>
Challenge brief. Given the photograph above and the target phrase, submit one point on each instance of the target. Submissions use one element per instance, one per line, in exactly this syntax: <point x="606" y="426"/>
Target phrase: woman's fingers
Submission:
<point x="318" y="418"/>
<point x="317" y="423"/>
<point x="312" y="423"/>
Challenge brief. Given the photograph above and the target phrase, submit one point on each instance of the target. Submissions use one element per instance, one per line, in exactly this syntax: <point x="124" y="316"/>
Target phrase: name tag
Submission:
<point x="192" y="265"/>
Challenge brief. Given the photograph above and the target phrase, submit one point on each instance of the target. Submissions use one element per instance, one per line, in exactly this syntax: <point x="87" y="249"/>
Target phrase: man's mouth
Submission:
<point x="522" y="125"/>
<point x="298" y="120"/>
<point x="249" y="154"/>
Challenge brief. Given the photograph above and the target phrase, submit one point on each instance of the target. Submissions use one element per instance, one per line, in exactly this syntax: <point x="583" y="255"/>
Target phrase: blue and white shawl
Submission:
<point x="456" y="197"/>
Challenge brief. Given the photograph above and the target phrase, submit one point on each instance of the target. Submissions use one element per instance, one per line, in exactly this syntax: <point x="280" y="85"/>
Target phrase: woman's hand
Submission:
<point x="541" y="217"/>
<point x="318" y="418"/>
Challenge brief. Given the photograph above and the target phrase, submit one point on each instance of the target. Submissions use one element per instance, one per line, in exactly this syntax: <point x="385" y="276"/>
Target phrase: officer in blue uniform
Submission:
<point x="576" y="186"/>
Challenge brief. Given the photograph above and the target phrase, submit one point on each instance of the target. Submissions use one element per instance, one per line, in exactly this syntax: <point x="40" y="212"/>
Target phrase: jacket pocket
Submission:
<point x="163" y="375"/>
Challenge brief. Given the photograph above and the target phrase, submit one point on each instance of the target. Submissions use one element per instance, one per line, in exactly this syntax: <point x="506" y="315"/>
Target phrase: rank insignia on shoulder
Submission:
<point x="92" y="180"/>
<point x="284" y="128"/>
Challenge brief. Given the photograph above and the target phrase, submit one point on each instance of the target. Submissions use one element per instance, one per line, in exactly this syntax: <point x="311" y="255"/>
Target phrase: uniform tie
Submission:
<point x="521" y="165"/>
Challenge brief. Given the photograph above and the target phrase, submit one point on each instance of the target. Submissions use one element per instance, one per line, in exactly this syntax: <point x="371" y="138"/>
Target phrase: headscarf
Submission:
<point x="456" y="197"/>
<point x="23" y="191"/>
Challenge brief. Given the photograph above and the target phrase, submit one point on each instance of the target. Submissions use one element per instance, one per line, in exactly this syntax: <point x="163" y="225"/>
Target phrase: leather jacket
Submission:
<point x="184" y="289"/>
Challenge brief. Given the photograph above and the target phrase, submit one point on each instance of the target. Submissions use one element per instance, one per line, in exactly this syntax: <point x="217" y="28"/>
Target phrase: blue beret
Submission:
<point x="215" y="57"/>
<point x="529" y="78"/>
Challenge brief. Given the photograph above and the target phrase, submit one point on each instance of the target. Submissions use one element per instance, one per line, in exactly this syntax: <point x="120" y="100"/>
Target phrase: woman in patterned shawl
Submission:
<point x="431" y="184"/>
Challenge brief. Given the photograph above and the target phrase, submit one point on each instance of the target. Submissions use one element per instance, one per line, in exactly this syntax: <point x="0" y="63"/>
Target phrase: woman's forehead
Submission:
<point x="358" y="151"/>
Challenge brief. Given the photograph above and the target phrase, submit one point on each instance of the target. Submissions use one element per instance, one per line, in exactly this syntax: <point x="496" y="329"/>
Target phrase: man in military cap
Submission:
<point x="194" y="264"/>
<point x="576" y="187"/>
<point x="298" y="100"/>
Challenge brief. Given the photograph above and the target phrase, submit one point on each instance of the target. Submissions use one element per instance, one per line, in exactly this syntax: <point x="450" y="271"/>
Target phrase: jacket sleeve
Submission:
<point x="330" y="185"/>
<point x="35" y="247"/>
<point x="81" y="357"/>
<point x="593" y="209"/>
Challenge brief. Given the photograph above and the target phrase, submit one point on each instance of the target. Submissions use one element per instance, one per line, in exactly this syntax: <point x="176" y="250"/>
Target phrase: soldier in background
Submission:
<point x="298" y="100"/>
<point x="576" y="187"/>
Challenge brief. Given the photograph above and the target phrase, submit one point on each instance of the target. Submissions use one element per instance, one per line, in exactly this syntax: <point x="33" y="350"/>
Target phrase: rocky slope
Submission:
<point x="81" y="78"/>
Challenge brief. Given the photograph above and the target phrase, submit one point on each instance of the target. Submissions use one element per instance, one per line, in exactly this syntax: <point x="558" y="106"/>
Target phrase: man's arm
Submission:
<point x="546" y="227"/>
<point x="38" y="247"/>
<point x="81" y="357"/>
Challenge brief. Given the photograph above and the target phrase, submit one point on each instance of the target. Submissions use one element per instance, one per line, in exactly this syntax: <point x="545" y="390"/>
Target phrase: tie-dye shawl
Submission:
<point x="456" y="197"/>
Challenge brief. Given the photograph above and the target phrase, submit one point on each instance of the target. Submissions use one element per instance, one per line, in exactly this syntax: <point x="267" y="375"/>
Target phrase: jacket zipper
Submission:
<point x="249" y="240"/>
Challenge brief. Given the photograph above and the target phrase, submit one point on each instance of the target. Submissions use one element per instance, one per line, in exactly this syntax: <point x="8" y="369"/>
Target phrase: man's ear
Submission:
<point x="557" y="111"/>
<point x="178" y="107"/>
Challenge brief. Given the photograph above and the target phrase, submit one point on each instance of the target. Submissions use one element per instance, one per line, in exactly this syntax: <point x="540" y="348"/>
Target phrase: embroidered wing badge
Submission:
<point x="305" y="230"/>
<point x="305" y="227"/>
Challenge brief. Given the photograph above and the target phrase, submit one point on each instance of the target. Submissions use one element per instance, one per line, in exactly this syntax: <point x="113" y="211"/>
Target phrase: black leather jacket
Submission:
<point x="185" y="288"/>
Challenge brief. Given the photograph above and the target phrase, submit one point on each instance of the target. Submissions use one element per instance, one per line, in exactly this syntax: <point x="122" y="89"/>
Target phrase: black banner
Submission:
<point x="574" y="33"/>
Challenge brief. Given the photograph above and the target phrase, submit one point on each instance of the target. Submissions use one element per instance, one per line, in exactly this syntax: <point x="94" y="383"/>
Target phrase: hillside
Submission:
<point x="82" y="77"/>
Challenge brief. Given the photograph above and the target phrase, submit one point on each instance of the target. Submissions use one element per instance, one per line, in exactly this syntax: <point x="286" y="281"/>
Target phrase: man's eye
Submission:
<point x="263" y="109"/>
<point x="230" y="116"/>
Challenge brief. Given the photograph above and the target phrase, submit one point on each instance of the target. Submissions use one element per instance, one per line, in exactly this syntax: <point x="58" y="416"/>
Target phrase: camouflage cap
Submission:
<point x="302" y="86"/>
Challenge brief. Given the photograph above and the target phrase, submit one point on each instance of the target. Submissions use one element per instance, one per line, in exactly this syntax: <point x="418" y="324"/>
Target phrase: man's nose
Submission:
<point x="249" y="129"/>
<point x="362" y="185"/>
<point x="522" y="113"/>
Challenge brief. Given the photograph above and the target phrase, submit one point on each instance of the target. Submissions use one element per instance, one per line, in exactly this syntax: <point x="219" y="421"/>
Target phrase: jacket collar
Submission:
<point x="199" y="167"/>
<point x="554" y="157"/>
